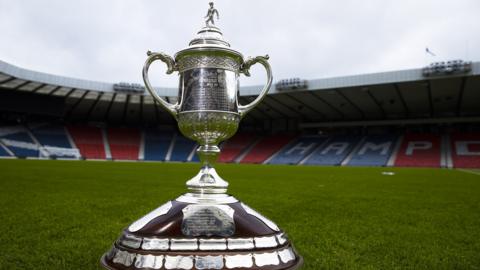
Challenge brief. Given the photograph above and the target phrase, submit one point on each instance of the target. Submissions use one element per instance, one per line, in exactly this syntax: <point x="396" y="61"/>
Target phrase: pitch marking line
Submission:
<point x="476" y="172"/>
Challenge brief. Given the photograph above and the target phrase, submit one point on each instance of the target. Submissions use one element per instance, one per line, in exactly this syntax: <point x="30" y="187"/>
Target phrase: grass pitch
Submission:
<point x="66" y="214"/>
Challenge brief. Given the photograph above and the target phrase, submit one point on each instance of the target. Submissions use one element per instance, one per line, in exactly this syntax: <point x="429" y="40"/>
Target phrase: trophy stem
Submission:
<point x="207" y="181"/>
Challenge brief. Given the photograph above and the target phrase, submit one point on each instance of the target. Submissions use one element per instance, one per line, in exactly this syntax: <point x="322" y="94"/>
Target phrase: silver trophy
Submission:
<point x="205" y="228"/>
<point x="207" y="110"/>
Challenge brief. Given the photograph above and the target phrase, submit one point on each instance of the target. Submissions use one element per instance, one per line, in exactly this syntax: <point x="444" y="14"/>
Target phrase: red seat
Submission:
<point x="232" y="148"/>
<point x="266" y="147"/>
<point x="419" y="150"/>
<point x="88" y="140"/>
<point x="124" y="143"/>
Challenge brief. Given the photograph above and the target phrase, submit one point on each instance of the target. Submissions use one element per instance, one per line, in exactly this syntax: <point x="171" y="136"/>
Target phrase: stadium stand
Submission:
<point x="54" y="142"/>
<point x="3" y="152"/>
<point x="458" y="149"/>
<point x="297" y="150"/>
<point x="157" y="144"/>
<point x="465" y="150"/>
<point x="419" y="150"/>
<point x="335" y="150"/>
<point x="124" y="143"/>
<point x="89" y="141"/>
<point x="51" y="136"/>
<point x="434" y="105"/>
<point x="234" y="147"/>
<point x="375" y="150"/>
<point x="19" y="142"/>
<point x="266" y="147"/>
<point x="182" y="149"/>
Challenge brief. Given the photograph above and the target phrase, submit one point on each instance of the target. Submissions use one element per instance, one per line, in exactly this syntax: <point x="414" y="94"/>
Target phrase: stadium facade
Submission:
<point x="419" y="117"/>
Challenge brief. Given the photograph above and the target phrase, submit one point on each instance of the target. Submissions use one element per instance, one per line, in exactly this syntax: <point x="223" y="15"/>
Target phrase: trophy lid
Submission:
<point x="209" y="35"/>
<point x="209" y="38"/>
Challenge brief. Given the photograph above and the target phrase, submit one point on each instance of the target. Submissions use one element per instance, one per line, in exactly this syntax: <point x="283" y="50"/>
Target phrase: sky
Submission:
<point x="310" y="39"/>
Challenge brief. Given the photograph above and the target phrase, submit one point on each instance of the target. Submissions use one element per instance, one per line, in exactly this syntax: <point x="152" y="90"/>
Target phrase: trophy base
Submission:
<point x="198" y="231"/>
<point x="104" y="263"/>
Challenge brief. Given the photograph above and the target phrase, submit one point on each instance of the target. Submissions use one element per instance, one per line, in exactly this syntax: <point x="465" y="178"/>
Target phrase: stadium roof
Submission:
<point x="404" y="95"/>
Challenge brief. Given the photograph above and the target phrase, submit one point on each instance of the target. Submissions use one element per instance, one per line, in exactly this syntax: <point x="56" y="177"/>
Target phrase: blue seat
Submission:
<point x="52" y="136"/>
<point x="182" y="149"/>
<point x="294" y="152"/>
<point x="22" y="137"/>
<point x="374" y="151"/>
<point x="334" y="151"/>
<point x="3" y="153"/>
<point x="157" y="144"/>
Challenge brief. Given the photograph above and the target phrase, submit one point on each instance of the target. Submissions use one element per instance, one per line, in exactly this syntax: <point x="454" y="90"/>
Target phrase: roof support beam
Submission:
<point x="90" y="110"/>
<point x="430" y="99"/>
<point x="376" y="102"/>
<point x="69" y="93"/>
<point x="37" y="88"/>
<point x="460" y="96"/>
<point x="402" y="99"/>
<point x="22" y="84"/>
<point x="421" y="121"/>
<point x="8" y="80"/>
<point x="351" y="103"/>
<point x="125" y="110"/>
<point x="69" y="113"/>
<point x="327" y="103"/>
<point x="272" y="97"/>
<point x="306" y="105"/>
<point x="141" y="109"/>
<point x="54" y="90"/>
<point x="265" y="103"/>
<point x="257" y="109"/>
<point x="107" y="112"/>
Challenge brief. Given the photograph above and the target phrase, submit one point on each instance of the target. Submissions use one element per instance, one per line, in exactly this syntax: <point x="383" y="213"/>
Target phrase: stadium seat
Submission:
<point x="419" y="150"/>
<point x="266" y="147"/>
<point x="124" y="143"/>
<point x="182" y="149"/>
<point x="375" y="150"/>
<point x="465" y="150"/>
<point x="3" y="152"/>
<point x="89" y="140"/>
<point x="297" y="150"/>
<point x="21" y="144"/>
<point x="233" y="147"/>
<point x="334" y="151"/>
<point x="157" y="144"/>
<point x="51" y="136"/>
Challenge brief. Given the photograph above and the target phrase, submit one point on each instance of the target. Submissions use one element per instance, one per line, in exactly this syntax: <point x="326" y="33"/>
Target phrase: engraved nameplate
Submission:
<point x="209" y="89"/>
<point x="208" y="220"/>
<point x="209" y="262"/>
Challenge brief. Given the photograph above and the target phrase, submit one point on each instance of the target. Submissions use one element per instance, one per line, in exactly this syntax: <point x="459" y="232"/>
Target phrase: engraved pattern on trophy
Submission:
<point x="208" y="220"/>
<point x="210" y="61"/>
<point x="205" y="228"/>
<point x="209" y="89"/>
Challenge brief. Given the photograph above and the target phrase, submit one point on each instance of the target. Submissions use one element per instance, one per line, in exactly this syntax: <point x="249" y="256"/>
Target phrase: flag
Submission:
<point x="429" y="52"/>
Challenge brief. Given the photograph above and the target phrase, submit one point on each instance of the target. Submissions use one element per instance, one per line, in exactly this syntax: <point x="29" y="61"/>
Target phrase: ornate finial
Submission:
<point x="211" y="12"/>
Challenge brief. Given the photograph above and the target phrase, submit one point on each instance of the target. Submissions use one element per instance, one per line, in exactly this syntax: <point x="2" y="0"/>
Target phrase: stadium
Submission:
<point x="411" y="118"/>
<point x="367" y="171"/>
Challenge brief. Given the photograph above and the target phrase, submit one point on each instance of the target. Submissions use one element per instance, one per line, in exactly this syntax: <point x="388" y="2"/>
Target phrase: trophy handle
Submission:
<point x="245" y="69"/>
<point x="152" y="56"/>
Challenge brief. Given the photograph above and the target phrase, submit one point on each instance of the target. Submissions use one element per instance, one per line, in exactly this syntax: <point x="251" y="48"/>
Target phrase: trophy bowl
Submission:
<point x="208" y="127"/>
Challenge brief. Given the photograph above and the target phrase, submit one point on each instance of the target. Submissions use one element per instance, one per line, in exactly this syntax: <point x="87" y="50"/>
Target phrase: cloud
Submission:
<point x="107" y="41"/>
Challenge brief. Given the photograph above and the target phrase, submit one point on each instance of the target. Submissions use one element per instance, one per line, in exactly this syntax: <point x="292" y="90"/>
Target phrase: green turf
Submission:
<point x="65" y="215"/>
